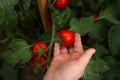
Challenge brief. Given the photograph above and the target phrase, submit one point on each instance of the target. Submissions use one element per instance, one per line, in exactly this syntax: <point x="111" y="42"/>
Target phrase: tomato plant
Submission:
<point x="61" y="4"/>
<point x="68" y="37"/>
<point x="24" y="42"/>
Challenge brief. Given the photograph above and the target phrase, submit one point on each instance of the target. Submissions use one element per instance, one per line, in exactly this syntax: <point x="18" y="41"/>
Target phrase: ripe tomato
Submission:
<point x="68" y="37"/>
<point x="61" y="4"/>
<point x="40" y="60"/>
<point x="37" y="46"/>
<point x="95" y="17"/>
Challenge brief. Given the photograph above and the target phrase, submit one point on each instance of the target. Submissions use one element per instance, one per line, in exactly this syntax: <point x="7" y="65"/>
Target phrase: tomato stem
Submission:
<point x="27" y="38"/>
<point x="4" y="40"/>
<point x="50" y="47"/>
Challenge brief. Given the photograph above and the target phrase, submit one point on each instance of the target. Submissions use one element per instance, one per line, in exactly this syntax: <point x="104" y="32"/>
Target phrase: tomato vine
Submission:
<point x="97" y="21"/>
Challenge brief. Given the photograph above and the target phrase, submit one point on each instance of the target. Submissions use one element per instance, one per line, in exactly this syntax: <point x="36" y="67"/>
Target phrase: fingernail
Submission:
<point x="94" y="50"/>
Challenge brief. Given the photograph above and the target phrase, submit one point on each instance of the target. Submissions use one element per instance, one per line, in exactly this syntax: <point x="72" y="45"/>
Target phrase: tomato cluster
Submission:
<point x="39" y="63"/>
<point x="39" y="48"/>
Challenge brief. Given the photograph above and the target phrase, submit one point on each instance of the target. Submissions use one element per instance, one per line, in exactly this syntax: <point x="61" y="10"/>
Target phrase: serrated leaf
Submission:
<point x="99" y="31"/>
<point x="94" y="68"/>
<point x="82" y="26"/>
<point x="109" y="14"/>
<point x="46" y="37"/>
<point x="26" y="6"/>
<point x="65" y="15"/>
<point x="9" y="17"/>
<point x="114" y="39"/>
<point x="17" y="52"/>
<point x="61" y="18"/>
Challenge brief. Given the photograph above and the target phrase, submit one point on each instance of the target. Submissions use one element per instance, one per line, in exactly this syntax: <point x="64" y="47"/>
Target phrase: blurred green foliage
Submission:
<point x="20" y="21"/>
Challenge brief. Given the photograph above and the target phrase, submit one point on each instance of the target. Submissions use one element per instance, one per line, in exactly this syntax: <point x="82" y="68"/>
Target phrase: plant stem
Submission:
<point x="4" y="40"/>
<point x="27" y="38"/>
<point x="50" y="47"/>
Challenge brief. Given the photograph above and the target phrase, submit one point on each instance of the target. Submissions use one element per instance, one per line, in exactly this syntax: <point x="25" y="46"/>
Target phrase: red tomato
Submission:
<point x="61" y="4"/>
<point x="40" y="60"/>
<point x="68" y="37"/>
<point x="37" y="46"/>
<point x="95" y="17"/>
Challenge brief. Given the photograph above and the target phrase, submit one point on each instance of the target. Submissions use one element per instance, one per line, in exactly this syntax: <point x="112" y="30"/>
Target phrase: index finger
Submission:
<point x="56" y="49"/>
<point x="78" y="44"/>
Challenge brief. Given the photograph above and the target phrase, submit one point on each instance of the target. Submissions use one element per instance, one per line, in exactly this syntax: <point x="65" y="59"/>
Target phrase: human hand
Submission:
<point x="69" y="64"/>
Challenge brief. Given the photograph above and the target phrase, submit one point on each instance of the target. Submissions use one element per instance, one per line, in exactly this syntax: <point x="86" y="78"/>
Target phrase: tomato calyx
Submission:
<point x="39" y="47"/>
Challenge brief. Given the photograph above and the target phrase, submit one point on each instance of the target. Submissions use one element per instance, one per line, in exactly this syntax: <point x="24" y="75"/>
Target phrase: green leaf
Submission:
<point x="1" y="15"/>
<point x="94" y="4"/>
<point x="46" y="37"/>
<point x="113" y="73"/>
<point x="101" y="51"/>
<point x="82" y="26"/>
<point x="114" y="39"/>
<point x="17" y="53"/>
<point x="99" y="31"/>
<point x="26" y="6"/>
<point x="94" y="68"/>
<point x="76" y="3"/>
<point x="109" y="14"/>
<point x="61" y="18"/>
<point x="116" y="7"/>
<point x="93" y="76"/>
<point x="8" y="17"/>
<point x="110" y="60"/>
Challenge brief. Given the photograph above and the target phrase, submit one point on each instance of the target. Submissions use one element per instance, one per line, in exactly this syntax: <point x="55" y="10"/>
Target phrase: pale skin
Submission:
<point x="69" y="64"/>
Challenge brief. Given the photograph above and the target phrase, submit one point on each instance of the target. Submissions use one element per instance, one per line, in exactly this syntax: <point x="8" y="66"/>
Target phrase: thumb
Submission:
<point x="89" y="52"/>
<point x="85" y="58"/>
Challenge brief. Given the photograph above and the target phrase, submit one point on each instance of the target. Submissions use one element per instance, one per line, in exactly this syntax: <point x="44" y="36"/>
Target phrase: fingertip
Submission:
<point x="77" y="34"/>
<point x="77" y="37"/>
<point x="55" y="43"/>
<point x="90" y="51"/>
<point x="93" y="50"/>
<point x="85" y="58"/>
<point x="64" y="50"/>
